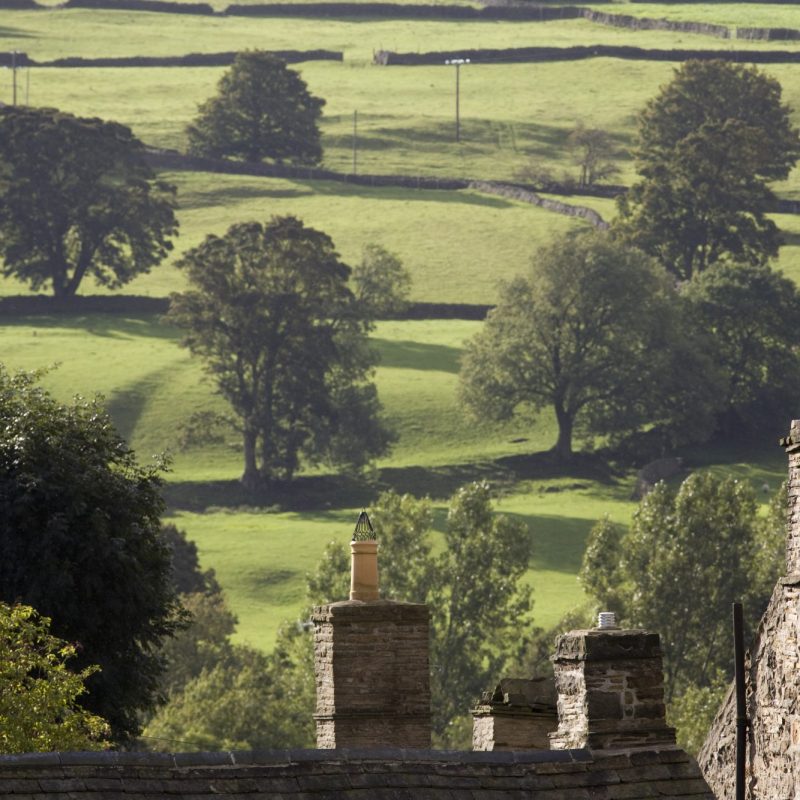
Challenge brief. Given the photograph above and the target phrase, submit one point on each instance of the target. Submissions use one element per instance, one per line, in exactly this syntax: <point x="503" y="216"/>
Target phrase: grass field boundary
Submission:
<point x="526" y="196"/>
<point x="132" y="304"/>
<point x="768" y="34"/>
<point x="520" y="55"/>
<point x="161" y="160"/>
<point x="190" y="60"/>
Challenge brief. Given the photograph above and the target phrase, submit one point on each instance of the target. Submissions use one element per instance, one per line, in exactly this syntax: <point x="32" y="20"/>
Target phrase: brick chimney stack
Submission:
<point x="371" y="662"/>
<point x="610" y="688"/>
<point x="791" y="444"/>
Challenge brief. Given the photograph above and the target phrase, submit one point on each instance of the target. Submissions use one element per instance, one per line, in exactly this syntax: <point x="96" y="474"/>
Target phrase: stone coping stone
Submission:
<point x="363" y="610"/>
<point x="243" y="758"/>
<point x="607" y="645"/>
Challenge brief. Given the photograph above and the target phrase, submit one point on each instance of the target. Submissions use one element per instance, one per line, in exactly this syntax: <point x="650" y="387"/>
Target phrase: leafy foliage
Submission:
<point x="687" y="556"/>
<point x="38" y="702"/>
<point x="79" y="533"/>
<point x="187" y="577"/>
<point x="751" y="317"/>
<point x="262" y="110"/>
<point x="282" y="336"/>
<point x="382" y="283"/>
<point x="594" y="331"/>
<point x="708" y="145"/>
<point x="232" y="706"/>
<point x="77" y="198"/>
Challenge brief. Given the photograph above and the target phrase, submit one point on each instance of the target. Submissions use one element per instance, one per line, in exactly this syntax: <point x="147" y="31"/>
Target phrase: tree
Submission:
<point x="687" y="556"/>
<point x="79" y="533"/>
<point x="77" y="198"/>
<point x="592" y="331"/>
<point x="262" y="110"/>
<point x="231" y="706"/>
<point x="473" y="588"/>
<point x="382" y="283"/>
<point x="38" y="702"/>
<point x="592" y="148"/>
<point x="187" y="577"/>
<point x="752" y="317"/>
<point x="709" y="143"/>
<point x="280" y="332"/>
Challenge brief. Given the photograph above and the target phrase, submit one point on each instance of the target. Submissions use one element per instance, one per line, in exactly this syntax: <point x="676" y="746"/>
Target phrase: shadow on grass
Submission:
<point x="407" y="195"/>
<point x="107" y="326"/>
<point x="15" y="33"/>
<point x="415" y="355"/>
<point x="216" y="197"/>
<point x="322" y="493"/>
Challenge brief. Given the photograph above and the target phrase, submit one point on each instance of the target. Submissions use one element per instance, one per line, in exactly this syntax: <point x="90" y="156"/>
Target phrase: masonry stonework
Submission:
<point x="519" y="714"/>
<point x="372" y="674"/>
<point x="772" y="680"/>
<point x="610" y="691"/>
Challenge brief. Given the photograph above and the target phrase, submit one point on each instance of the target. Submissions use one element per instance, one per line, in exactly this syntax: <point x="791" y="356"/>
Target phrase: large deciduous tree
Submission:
<point x="77" y="198"/>
<point x="262" y="109"/>
<point x="752" y="316"/>
<point x="270" y="312"/>
<point x="79" y="534"/>
<point x="593" y="332"/>
<point x="709" y="144"/>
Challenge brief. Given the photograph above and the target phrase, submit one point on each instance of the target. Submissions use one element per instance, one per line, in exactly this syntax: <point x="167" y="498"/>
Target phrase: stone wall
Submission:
<point x="372" y="674"/>
<point x="772" y="681"/>
<point x="520" y="55"/>
<point x="526" y="196"/>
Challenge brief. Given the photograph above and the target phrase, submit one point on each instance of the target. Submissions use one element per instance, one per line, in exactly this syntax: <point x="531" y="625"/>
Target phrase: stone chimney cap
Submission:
<point x="607" y="644"/>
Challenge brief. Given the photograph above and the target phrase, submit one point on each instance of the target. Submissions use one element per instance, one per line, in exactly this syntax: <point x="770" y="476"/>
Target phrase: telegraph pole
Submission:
<point x="457" y="62"/>
<point x="355" y="140"/>
<point x="14" y="76"/>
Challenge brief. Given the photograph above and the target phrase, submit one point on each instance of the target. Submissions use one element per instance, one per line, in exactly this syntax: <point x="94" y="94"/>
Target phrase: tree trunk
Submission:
<point x="250" y="478"/>
<point x="563" y="447"/>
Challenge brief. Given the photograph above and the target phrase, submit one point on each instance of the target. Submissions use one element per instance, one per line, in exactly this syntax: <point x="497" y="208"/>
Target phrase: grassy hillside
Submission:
<point x="456" y="244"/>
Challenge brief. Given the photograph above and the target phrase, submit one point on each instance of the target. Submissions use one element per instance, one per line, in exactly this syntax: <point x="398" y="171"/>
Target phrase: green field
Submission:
<point x="458" y="246"/>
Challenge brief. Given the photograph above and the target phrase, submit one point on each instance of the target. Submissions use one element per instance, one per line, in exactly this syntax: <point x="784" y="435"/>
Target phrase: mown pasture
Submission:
<point x="457" y="245"/>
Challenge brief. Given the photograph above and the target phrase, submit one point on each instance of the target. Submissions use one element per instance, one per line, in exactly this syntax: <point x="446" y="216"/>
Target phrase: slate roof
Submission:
<point x="348" y="775"/>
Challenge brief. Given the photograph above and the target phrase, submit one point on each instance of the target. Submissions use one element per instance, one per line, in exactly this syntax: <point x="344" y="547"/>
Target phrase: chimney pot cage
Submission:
<point x="364" y="532"/>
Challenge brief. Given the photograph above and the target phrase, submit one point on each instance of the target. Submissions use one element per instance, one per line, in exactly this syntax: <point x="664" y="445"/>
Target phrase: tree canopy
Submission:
<point x="270" y="312"/>
<point x="38" y="702"/>
<point x="708" y="145"/>
<point x="79" y="533"/>
<point x="262" y="109"/>
<point x="593" y="331"/>
<point x="77" y="198"/>
<point x="751" y="318"/>
<point x="687" y="556"/>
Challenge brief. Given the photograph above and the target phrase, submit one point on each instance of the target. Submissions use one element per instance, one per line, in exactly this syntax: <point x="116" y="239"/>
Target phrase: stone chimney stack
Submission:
<point x="791" y="444"/>
<point x="371" y="662"/>
<point x="610" y="688"/>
